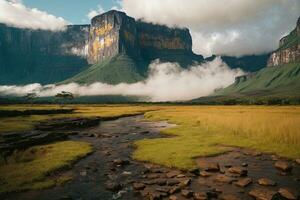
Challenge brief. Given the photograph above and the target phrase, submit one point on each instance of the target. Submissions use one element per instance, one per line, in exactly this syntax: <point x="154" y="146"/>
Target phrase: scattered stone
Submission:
<point x="200" y="196"/>
<point x="174" y="190"/>
<point x="164" y="189"/>
<point x="195" y="171"/>
<point x="153" y="176"/>
<point x="138" y="186"/>
<point x="229" y="197"/>
<point x="113" y="186"/>
<point x="172" y="174"/>
<point x="262" y="194"/>
<point x="243" y="182"/>
<point x="266" y="182"/>
<point x="244" y="164"/>
<point x="172" y="182"/>
<point x="83" y="173"/>
<point x="187" y="193"/>
<point x="238" y="170"/>
<point x="161" y="181"/>
<point x="209" y="166"/>
<point x="120" y="162"/>
<point x="205" y="174"/>
<point x="223" y="179"/>
<point x="173" y="197"/>
<point x="126" y="173"/>
<point x="283" y="166"/>
<point x="66" y="198"/>
<point x="180" y="176"/>
<point x="185" y="183"/>
<point x="227" y="165"/>
<point x="288" y="194"/>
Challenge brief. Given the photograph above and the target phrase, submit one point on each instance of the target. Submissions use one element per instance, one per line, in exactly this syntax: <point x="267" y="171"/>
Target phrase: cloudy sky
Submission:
<point x="223" y="27"/>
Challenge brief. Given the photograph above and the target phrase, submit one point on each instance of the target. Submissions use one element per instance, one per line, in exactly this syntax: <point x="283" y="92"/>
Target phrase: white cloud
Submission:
<point x="14" y="13"/>
<point x="166" y="82"/>
<point x="92" y="13"/>
<point x="232" y="27"/>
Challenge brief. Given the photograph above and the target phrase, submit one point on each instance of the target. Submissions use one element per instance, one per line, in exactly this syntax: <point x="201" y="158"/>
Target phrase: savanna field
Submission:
<point x="199" y="131"/>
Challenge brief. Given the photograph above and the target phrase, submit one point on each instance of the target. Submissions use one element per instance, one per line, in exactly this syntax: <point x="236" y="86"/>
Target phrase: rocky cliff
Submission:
<point x="114" y="33"/>
<point x="28" y="56"/>
<point x="289" y="49"/>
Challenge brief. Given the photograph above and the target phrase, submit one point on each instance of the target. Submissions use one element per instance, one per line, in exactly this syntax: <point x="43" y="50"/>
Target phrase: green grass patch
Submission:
<point x="30" y="169"/>
<point x="211" y="130"/>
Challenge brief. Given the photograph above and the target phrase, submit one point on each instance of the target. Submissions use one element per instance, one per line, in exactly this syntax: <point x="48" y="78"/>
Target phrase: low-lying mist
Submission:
<point x="166" y="82"/>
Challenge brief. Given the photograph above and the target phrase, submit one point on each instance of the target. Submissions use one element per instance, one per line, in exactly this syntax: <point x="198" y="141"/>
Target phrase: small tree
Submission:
<point x="63" y="95"/>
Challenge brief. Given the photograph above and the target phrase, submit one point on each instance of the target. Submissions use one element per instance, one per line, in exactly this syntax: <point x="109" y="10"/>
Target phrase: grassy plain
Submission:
<point x="200" y="131"/>
<point x="211" y="130"/>
<point x="29" y="169"/>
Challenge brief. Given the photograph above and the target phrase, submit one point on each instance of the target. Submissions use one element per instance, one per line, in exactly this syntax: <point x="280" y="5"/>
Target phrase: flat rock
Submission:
<point x="172" y="174"/>
<point x="138" y="186"/>
<point x="266" y="182"/>
<point x="113" y="186"/>
<point x="287" y="193"/>
<point x="208" y="165"/>
<point x="223" y="179"/>
<point x="243" y="182"/>
<point x="172" y="182"/>
<point x="238" y="170"/>
<point x="174" y="190"/>
<point x="173" y="197"/>
<point x="121" y="162"/>
<point x="283" y="166"/>
<point x="153" y="176"/>
<point x="298" y="161"/>
<point x="229" y="197"/>
<point x="187" y="193"/>
<point x="205" y="174"/>
<point x="185" y="182"/>
<point x="262" y="194"/>
<point x="200" y="196"/>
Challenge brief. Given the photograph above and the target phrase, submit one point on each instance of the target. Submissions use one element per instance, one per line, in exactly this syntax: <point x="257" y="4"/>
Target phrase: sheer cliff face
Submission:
<point x="114" y="32"/>
<point x="28" y="56"/>
<point x="289" y="49"/>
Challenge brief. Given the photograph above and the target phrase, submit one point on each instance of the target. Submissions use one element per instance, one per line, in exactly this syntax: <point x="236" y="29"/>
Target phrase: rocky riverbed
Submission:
<point x="111" y="173"/>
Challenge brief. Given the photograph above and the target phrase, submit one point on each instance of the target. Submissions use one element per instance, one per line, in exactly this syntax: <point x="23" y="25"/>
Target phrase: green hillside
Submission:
<point x="119" y="69"/>
<point x="280" y="80"/>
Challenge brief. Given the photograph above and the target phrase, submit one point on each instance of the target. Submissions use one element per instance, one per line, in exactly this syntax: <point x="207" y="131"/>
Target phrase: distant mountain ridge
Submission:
<point x="114" y="48"/>
<point x="280" y="79"/>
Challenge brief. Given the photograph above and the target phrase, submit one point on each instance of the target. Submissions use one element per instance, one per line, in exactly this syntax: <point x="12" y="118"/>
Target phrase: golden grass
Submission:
<point x="29" y="169"/>
<point x="204" y="130"/>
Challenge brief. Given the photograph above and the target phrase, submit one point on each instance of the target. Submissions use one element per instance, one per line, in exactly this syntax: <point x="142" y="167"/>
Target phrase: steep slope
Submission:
<point x="28" y="56"/>
<point x="277" y="81"/>
<point x="118" y="69"/>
